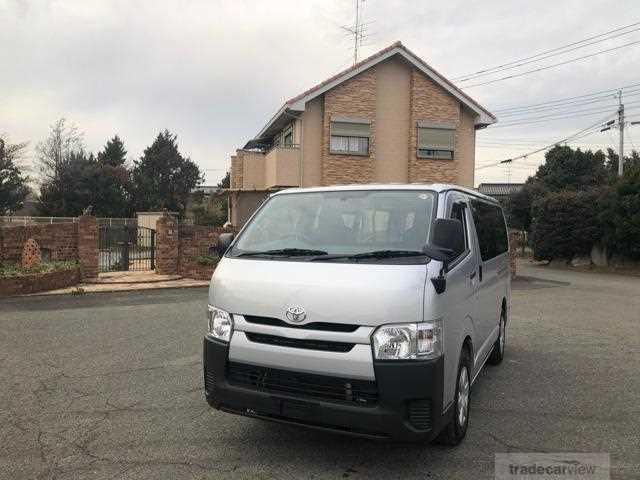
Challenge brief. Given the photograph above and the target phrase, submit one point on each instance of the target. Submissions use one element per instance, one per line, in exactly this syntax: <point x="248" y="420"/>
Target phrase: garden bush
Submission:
<point x="10" y="269"/>
<point x="207" y="260"/>
<point x="620" y="216"/>
<point x="566" y="224"/>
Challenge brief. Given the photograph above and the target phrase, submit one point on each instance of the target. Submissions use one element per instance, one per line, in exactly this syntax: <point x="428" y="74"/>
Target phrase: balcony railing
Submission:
<point x="282" y="166"/>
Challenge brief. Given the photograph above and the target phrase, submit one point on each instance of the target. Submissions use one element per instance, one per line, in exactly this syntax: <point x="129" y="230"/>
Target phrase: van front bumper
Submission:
<point x="408" y="406"/>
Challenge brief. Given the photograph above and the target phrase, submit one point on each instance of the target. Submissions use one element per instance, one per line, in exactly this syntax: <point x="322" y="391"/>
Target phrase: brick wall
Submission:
<point x="88" y="246"/>
<point x="356" y="98"/>
<point x="195" y="241"/>
<point x="430" y="102"/>
<point x="38" y="282"/>
<point x="166" y="245"/>
<point x="236" y="178"/>
<point x="59" y="239"/>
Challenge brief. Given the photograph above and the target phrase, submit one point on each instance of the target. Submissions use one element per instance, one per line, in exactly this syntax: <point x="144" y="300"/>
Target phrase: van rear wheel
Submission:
<point x="456" y="430"/>
<point x="498" y="347"/>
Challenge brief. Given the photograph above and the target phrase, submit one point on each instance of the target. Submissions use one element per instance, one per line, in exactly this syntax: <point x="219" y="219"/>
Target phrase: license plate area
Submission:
<point x="294" y="409"/>
<point x="298" y="409"/>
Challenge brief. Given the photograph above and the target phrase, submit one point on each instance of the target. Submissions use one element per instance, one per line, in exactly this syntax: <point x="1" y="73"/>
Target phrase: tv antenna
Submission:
<point x="357" y="30"/>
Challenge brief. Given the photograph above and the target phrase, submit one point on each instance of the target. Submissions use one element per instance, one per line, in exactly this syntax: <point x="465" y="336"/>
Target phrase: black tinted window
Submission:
<point x="491" y="229"/>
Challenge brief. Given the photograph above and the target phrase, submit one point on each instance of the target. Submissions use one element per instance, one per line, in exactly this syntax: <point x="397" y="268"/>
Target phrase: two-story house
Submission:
<point x="389" y="118"/>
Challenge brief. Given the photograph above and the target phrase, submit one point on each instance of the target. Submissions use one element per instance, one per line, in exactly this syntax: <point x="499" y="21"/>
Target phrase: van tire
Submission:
<point x="455" y="431"/>
<point x="497" y="354"/>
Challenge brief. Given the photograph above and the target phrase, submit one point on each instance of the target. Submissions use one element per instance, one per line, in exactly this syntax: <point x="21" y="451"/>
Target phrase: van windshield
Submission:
<point x="340" y="223"/>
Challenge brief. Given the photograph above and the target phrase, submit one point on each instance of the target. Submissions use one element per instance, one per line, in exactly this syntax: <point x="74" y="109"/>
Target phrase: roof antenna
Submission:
<point x="357" y="31"/>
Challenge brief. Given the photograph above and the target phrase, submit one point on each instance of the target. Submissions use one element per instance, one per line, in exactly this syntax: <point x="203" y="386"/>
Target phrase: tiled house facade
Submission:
<point x="390" y="118"/>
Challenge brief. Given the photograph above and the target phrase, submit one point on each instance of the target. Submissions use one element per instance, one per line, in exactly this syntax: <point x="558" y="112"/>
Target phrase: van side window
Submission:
<point x="491" y="229"/>
<point x="457" y="213"/>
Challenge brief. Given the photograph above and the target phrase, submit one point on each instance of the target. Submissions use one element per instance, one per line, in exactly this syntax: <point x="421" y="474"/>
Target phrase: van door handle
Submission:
<point x="480" y="271"/>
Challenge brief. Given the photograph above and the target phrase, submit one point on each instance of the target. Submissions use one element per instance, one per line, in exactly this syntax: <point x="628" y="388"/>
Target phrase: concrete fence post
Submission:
<point x="515" y="238"/>
<point x="88" y="246"/>
<point x="166" y="245"/>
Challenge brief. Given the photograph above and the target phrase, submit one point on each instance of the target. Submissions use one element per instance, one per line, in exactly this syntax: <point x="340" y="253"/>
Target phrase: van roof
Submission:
<point x="436" y="187"/>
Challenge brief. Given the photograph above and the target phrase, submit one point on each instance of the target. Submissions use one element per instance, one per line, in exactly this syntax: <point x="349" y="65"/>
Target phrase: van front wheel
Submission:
<point x="456" y="430"/>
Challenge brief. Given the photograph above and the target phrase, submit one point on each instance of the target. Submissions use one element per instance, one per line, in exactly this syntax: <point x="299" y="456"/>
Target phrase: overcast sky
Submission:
<point x="214" y="72"/>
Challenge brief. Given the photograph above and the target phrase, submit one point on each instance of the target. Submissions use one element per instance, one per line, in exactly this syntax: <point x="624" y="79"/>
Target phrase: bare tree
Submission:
<point x="63" y="141"/>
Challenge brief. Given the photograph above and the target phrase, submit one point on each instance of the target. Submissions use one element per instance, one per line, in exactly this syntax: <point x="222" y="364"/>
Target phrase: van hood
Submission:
<point x="359" y="294"/>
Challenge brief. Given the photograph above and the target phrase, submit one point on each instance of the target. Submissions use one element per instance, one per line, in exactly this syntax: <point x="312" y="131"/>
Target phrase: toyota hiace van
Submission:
<point x="368" y="310"/>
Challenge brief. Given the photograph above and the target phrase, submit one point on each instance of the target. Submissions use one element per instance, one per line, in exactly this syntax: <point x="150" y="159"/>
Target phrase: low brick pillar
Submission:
<point x="88" y="246"/>
<point x="166" y="245"/>
<point x="514" y="243"/>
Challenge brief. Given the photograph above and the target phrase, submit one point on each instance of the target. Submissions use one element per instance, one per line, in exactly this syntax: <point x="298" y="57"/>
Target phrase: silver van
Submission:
<point x="368" y="310"/>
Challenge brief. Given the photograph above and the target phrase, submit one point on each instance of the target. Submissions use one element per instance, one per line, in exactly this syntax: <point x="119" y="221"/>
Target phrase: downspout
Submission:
<point x="301" y="156"/>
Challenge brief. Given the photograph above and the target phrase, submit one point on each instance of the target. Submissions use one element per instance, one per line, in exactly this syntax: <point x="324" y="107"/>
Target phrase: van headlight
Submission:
<point x="408" y="341"/>
<point x="220" y="324"/>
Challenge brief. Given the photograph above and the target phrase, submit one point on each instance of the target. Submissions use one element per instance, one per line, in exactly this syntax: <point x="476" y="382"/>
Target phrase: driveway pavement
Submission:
<point x="110" y="386"/>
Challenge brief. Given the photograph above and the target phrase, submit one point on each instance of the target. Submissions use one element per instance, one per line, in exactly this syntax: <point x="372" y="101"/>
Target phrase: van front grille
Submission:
<point x="303" y="385"/>
<point x="324" y="326"/>
<point x="299" y="343"/>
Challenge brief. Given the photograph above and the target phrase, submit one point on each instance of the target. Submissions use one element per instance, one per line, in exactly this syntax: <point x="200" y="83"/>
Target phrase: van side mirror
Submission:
<point x="224" y="240"/>
<point x="448" y="237"/>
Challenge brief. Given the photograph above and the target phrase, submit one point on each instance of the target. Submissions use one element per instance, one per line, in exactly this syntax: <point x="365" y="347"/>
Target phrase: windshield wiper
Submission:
<point x="374" y="254"/>
<point x="287" y="252"/>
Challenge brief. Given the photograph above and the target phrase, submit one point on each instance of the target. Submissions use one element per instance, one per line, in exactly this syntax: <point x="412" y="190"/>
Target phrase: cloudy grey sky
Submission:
<point x="214" y="71"/>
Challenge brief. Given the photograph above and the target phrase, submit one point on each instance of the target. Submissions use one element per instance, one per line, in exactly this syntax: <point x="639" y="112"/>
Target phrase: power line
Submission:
<point x="611" y="90"/>
<point x="547" y="67"/>
<point x="549" y="119"/>
<point x="575" y="103"/>
<point x="560" y="115"/>
<point x="547" y="147"/>
<point x="540" y="115"/>
<point x="542" y="56"/>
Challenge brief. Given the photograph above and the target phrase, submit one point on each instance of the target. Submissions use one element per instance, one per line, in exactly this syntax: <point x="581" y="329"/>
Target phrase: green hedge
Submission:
<point x="565" y="224"/>
<point x="620" y="216"/>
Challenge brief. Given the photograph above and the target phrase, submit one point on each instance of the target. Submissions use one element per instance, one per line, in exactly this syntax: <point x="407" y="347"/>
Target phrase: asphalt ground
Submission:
<point x="109" y="385"/>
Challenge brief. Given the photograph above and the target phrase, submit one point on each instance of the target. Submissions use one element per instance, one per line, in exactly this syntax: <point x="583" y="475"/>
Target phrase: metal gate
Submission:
<point x="126" y="247"/>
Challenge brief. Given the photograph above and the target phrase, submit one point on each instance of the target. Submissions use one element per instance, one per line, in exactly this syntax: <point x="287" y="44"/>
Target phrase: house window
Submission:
<point x="436" y="142"/>
<point x="287" y="136"/>
<point x="349" y="138"/>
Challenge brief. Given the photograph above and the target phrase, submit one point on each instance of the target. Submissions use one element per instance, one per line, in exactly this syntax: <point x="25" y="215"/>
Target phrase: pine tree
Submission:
<point x="114" y="153"/>
<point x="163" y="178"/>
<point x="113" y="183"/>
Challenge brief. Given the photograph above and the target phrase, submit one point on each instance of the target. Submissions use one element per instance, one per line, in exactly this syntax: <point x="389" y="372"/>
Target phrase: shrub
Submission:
<point x="565" y="224"/>
<point x="620" y="216"/>
<point x="207" y="260"/>
<point x="16" y="270"/>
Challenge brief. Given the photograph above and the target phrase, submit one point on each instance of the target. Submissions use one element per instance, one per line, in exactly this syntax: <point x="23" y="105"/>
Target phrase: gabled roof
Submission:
<point x="295" y="105"/>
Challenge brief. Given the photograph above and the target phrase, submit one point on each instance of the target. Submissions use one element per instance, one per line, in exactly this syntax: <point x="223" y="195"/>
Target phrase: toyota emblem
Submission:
<point x="296" y="314"/>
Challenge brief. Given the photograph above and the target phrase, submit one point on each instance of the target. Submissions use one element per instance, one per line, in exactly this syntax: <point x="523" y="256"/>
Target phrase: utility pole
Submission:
<point x="621" y="127"/>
